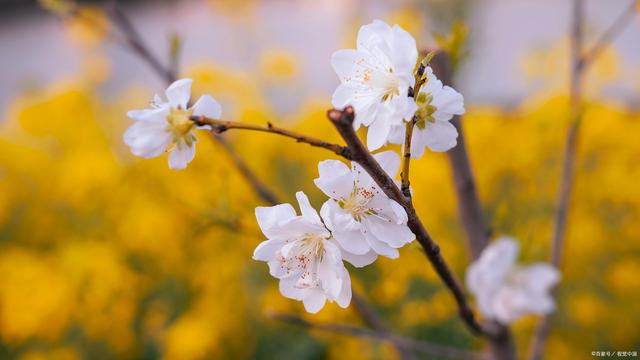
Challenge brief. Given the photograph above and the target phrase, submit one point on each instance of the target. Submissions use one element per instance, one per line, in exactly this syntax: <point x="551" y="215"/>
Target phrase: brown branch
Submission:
<point x="258" y="186"/>
<point x="371" y="319"/>
<point x="406" y="158"/>
<point x="137" y="45"/>
<point x="220" y="126"/>
<point x="408" y="135"/>
<point x="610" y="34"/>
<point x="343" y="121"/>
<point x="578" y="63"/>
<point x="396" y="340"/>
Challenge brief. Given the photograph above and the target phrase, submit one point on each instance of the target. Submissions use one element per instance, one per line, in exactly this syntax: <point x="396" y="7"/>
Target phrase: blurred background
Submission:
<point x="107" y="256"/>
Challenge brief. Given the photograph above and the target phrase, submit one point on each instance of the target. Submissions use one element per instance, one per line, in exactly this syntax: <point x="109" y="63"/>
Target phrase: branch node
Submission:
<point x="342" y="117"/>
<point x="406" y="190"/>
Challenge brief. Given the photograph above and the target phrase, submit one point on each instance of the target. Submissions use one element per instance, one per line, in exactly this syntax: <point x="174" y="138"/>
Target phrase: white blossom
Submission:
<point x="166" y="125"/>
<point x="375" y="79"/>
<point x="437" y="104"/>
<point x="506" y="292"/>
<point x="300" y="252"/>
<point x="363" y="220"/>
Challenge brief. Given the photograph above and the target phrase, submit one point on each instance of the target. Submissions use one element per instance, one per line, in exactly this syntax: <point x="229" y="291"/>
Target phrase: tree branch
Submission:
<point x="220" y="126"/>
<point x="137" y="45"/>
<point x="408" y="135"/>
<point x="258" y="186"/>
<point x="133" y="41"/>
<point x="343" y="121"/>
<point x="610" y="34"/>
<point x="566" y="179"/>
<point x="396" y="340"/>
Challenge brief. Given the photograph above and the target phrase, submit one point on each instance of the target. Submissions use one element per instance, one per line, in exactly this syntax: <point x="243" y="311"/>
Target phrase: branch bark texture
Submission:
<point x="343" y="121"/>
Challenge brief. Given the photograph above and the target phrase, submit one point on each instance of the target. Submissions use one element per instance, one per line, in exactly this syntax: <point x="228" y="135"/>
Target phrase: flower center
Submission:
<point x="425" y="110"/>
<point x="180" y="125"/>
<point x="313" y="245"/>
<point x="306" y="255"/>
<point x="385" y="79"/>
<point x="514" y="279"/>
<point x="357" y="204"/>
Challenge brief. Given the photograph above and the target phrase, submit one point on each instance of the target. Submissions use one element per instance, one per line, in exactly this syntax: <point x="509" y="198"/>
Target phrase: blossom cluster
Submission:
<point x="358" y="222"/>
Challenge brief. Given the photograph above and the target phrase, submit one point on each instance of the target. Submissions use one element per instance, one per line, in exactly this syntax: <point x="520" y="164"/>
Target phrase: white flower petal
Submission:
<point x="360" y="260"/>
<point x="418" y="142"/>
<point x="378" y="134"/>
<point x="433" y="86"/>
<point x="335" y="179"/>
<point x="270" y="218"/>
<point x="539" y="278"/>
<point x="389" y="161"/>
<point x="306" y="209"/>
<point x="400" y="213"/>
<point x="179" y="93"/>
<point x="344" y="298"/>
<point x="330" y="271"/>
<point x="352" y="241"/>
<point x="404" y="52"/>
<point x="288" y="289"/>
<point x="345" y="63"/>
<point x="396" y="135"/>
<point x="181" y="156"/>
<point x="146" y="139"/>
<point x="267" y="250"/>
<point x="314" y="301"/>
<point x="207" y="106"/>
<point x="448" y="103"/>
<point x="380" y="247"/>
<point x="373" y="33"/>
<point x="342" y="97"/>
<point x="489" y="270"/>
<point x="158" y="115"/>
<point x="394" y="235"/>
<point x="440" y="136"/>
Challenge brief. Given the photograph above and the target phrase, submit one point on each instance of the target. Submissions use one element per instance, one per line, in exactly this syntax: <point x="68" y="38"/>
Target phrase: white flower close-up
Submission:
<point x="506" y="292"/>
<point x="363" y="220"/>
<point x="375" y="79"/>
<point x="301" y="254"/>
<point x="437" y="104"/>
<point x="166" y="126"/>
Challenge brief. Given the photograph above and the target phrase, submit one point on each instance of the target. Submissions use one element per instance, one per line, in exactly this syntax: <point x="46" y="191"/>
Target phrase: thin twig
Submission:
<point x="398" y="341"/>
<point x="343" y="121"/>
<point x="220" y="126"/>
<point x="136" y="43"/>
<point x="408" y="135"/>
<point x="371" y="319"/>
<point x="610" y="34"/>
<point x="258" y="186"/>
<point x="133" y="41"/>
<point x="566" y="180"/>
